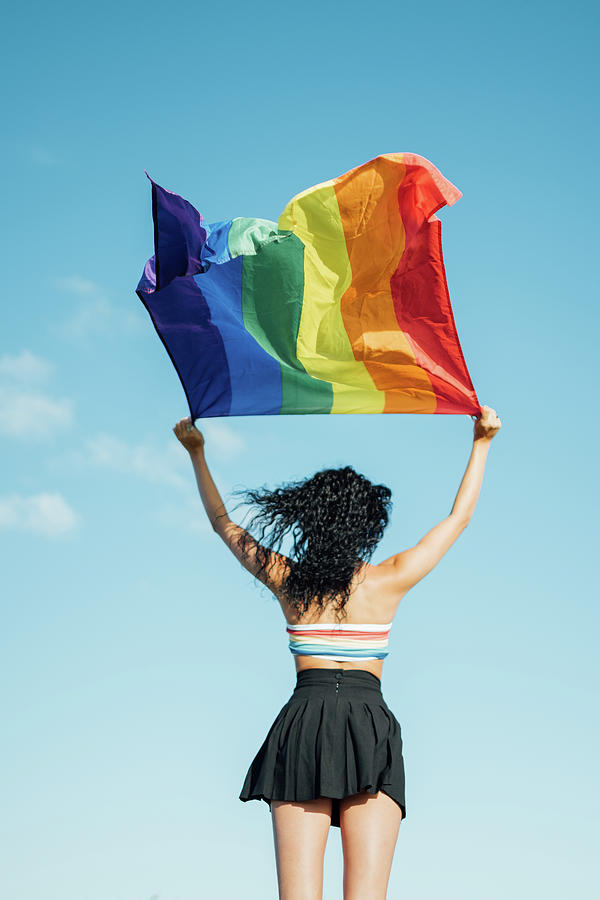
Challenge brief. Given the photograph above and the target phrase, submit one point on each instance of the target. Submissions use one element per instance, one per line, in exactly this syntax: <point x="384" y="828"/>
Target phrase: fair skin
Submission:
<point x="369" y="823"/>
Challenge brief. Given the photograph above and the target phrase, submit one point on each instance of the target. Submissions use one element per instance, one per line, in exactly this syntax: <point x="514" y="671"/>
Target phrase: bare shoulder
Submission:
<point x="411" y="565"/>
<point x="382" y="590"/>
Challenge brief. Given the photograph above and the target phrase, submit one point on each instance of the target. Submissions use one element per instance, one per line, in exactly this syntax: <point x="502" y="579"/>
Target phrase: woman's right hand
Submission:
<point x="487" y="425"/>
<point x="186" y="432"/>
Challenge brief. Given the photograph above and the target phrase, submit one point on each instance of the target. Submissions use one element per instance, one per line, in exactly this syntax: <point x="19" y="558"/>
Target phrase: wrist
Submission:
<point x="196" y="453"/>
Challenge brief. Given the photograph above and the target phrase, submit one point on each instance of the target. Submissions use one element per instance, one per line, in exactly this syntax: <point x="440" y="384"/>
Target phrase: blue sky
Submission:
<point x="141" y="666"/>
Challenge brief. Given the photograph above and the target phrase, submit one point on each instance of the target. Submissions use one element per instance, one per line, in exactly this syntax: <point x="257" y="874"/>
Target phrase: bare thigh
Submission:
<point x="300" y="832"/>
<point x="369" y="824"/>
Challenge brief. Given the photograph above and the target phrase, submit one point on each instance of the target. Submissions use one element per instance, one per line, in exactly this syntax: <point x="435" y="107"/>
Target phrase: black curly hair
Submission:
<point x="334" y="518"/>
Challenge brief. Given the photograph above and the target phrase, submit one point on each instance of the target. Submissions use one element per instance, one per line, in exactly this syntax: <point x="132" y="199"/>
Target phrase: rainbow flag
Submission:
<point x="341" y="306"/>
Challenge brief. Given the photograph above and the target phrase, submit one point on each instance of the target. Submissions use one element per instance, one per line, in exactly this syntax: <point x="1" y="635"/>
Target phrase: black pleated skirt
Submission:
<point x="335" y="737"/>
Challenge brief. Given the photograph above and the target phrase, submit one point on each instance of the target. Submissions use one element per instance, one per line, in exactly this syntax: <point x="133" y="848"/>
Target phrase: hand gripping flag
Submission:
<point x="340" y="307"/>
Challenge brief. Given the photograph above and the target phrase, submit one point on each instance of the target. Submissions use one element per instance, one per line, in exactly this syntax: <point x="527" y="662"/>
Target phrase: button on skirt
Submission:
<point x="335" y="737"/>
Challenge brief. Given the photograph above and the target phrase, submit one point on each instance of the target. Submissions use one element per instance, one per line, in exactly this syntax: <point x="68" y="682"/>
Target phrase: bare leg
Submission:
<point x="300" y="832"/>
<point x="369" y="824"/>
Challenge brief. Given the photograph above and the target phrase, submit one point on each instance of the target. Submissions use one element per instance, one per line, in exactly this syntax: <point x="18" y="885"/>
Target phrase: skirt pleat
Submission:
<point x="335" y="737"/>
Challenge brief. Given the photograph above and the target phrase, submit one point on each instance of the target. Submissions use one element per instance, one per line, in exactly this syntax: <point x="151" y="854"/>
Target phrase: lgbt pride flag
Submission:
<point x="341" y="306"/>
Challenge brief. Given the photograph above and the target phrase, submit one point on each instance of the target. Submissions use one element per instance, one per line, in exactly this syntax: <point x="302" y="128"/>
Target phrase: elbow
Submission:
<point x="462" y="521"/>
<point x="220" y="524"/>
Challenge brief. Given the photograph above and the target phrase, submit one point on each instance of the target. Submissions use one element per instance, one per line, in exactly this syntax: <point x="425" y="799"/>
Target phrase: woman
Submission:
<point x="333" y="755"/>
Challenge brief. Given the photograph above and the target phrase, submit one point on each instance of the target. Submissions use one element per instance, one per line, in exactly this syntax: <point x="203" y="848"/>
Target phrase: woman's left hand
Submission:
<point x="187" y="433"/>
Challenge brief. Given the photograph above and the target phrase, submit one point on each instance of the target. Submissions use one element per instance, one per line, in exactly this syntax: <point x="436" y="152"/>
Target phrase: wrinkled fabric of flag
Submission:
<point x="341" y="306"/>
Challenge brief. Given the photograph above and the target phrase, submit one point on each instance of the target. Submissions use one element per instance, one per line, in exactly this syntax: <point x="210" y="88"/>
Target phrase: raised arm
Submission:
<point x="412" y="565"/>
<point x="193" y="441"/>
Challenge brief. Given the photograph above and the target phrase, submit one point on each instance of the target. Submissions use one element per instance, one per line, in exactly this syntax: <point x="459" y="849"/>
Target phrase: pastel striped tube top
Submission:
<point x="340" y="642"/>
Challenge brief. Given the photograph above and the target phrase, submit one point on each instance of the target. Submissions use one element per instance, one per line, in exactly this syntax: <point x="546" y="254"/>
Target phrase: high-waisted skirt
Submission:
<point x="335" y="737"/>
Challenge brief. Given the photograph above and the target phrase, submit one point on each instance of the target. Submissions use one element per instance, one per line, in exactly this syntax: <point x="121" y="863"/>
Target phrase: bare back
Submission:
<point x="374" y="599"/>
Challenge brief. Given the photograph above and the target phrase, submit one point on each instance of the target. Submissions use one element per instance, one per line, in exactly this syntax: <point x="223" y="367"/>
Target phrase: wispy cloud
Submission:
<point x="94" y="313"/>
<point x="94" y="316"/>
<point x="76" y="285"/>
<point x="25" y="367"/>
<point x="29" y="414"/>
<point x="25" y="409"/>
<point x="221" y="437"/>
<point x="45" y="513"/>
<point x="165" y="465"/>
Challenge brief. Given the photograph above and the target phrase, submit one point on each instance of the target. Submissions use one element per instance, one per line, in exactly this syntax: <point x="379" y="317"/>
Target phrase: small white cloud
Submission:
<point x="32" y="414"/>
<point x="168" y="465"/>
<point x="91" y="317"/>
<point x="76" y="285"/>
<point x="159" y="466"/>
<point x="25" y="367"/>
<point x="47" y="514"/>
<point x="24" y="410"/>
<point x="95" y="313"/>
<point x="221" y="437"/>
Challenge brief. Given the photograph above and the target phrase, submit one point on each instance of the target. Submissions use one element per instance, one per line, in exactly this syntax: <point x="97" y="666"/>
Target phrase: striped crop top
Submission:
<point x="340" y="642"/>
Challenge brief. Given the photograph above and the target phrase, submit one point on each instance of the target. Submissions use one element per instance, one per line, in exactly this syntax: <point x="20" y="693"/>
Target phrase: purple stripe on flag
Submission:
<point x="179" y="236"/>
<point x="182" y="320"/>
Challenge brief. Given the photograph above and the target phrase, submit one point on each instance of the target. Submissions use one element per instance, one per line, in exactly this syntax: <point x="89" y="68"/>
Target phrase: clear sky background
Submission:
<point x="141" y="667"/>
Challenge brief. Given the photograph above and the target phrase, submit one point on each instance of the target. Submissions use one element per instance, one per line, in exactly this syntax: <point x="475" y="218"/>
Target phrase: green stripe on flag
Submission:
<point x="272" y="293"/>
